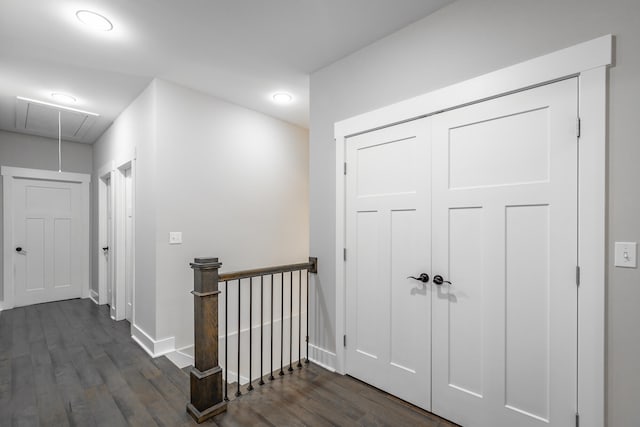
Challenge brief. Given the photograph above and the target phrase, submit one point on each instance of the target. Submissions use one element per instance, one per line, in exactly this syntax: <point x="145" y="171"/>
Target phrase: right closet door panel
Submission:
<point x="504" y="230"/>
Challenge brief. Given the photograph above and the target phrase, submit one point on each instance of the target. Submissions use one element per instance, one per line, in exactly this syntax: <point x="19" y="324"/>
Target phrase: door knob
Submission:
<point x="424" y="278"/>
<point x="438" y="280"/>
<point x="18" y="249"/>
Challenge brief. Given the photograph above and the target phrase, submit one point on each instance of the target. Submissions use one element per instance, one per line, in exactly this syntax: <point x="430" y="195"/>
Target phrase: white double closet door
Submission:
<point x="484" y="196"/>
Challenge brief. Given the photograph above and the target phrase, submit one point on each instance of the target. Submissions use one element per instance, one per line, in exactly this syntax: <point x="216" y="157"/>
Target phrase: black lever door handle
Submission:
<point x="106" y="248"/>
<point x="438" y="280"/>
<point x="424" y="278"/>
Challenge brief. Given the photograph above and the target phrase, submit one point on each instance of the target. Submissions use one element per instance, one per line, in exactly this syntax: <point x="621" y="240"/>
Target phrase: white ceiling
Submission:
<point x="238" y="50"/>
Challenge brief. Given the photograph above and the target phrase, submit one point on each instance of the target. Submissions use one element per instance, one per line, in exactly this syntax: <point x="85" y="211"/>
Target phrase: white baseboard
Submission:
<point x="182" y="357"/>
<point x="86" y="292"/>
<point x="322" y="357"/>
<point x="233" y="377"/>
<point x="94" y="297"/>
<point x="154" y="348"/>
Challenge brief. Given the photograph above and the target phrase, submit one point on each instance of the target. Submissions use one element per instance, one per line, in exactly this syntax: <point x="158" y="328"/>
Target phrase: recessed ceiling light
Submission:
<point x="94" y="20"/>
<point x="63" y="97"/>
<point x="282" y="97"/>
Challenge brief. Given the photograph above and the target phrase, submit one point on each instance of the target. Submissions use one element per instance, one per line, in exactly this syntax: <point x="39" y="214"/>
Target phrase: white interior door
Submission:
<point x="128" y="243"/>
<point x="47" y="221"/>
<point x="388" y="239"/>
<point x="505" y="235"/>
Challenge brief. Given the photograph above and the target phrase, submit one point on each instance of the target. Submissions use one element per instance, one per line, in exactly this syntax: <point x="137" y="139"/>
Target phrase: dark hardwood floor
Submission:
<point x="68" y="364"/>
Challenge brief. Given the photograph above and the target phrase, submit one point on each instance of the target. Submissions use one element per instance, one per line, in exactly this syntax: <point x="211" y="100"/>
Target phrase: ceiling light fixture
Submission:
<point x="63" y="97"/>
<point x="94" y="20"/>
<point x="282" y="97"/>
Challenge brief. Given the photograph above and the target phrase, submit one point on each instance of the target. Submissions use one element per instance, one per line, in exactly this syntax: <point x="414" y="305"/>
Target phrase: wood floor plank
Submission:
<point x="104" y="409"/>
<point x="34" y="327"/>
<point x="135" y="413"/>
<point x="69" y="363"/>
<point x="19" y="337"/>
<point x="51" y="407"/>
<point x="24" y="407"/>
<point x="85" y="366"/>
<point x="52" y="334"/>
<point x="110" y="374"/>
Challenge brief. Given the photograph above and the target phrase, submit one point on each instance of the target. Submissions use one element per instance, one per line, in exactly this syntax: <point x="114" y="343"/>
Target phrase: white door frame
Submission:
<point x="588" y="61"/>
<point x="104" y="173"/>
<point x="117" y="251"/>
<point x="9" y="174"/>
<point x="120" y="238"/>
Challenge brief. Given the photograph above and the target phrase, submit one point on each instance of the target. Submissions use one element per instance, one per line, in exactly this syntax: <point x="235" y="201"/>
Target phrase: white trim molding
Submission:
<point x="322" y="357"/>
<point x="153" y="347"/>
<point x="94" y="297"/>
<point x="182" y="357"/>
<point x="101" y="175"/>
<point x="9" y="174"/>
<point x="589" y="62"/>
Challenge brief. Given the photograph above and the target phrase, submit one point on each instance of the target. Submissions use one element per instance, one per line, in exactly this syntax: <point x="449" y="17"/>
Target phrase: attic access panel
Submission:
<point x="42" y="119"/>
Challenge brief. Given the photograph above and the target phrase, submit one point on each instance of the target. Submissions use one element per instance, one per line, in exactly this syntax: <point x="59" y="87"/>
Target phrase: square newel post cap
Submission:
<point x="205" y="264"/>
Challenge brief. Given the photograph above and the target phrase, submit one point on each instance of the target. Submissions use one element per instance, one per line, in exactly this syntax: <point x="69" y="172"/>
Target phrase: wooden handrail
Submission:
<point x="311" y="266"/>
<point x="206" y="376"/>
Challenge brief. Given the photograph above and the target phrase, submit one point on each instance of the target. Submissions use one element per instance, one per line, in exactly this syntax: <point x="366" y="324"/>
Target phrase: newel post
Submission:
<point x="206" y="375"/>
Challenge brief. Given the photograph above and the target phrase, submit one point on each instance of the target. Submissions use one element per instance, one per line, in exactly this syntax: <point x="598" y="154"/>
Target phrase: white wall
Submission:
<point x="233" y="181"/>
<point x="461" y="41"/>
<point x="34" y="152"/>
<point x="134" y="132"/>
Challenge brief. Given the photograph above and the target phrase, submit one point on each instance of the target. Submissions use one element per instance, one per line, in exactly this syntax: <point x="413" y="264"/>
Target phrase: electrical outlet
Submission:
<point x="175" y="237"/>
<point x="625" y="254"/>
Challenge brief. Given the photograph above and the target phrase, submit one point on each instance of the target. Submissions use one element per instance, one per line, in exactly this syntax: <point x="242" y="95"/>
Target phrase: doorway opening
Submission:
<point x="116" y="245"/>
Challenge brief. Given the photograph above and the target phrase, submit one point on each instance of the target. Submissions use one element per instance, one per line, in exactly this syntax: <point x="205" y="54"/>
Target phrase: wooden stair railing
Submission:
<point x="208" y="395"/>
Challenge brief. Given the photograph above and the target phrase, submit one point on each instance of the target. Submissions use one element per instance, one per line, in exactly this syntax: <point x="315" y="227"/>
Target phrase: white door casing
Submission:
<point x="104" y="245"/>
<point x="117" y="231"/>
<point x="123" y="240"/>
<point x="588" y="61"/>
<point x="505" y="234"/>
<point x="128" y="239"/>
<point x="46" y="214"/>
<point x="388" y="239"/>
<point x="110" y="245"/>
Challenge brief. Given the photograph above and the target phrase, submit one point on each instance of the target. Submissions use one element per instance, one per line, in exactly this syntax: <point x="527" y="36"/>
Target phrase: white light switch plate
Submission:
<point x="625" y="254"/>
<point x="175" y="237"/>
